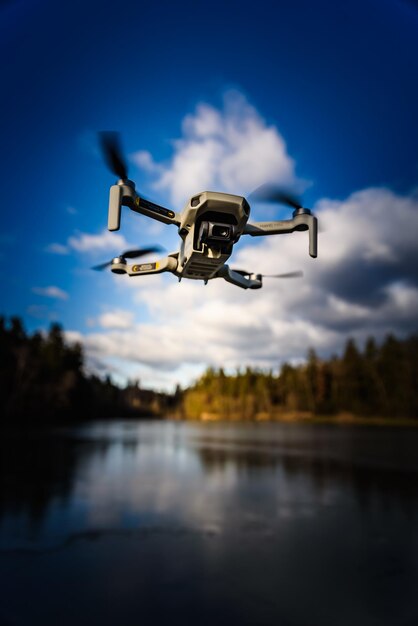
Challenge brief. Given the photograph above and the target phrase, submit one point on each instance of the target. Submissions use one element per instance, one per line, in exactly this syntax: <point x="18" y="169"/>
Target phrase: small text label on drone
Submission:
<point x="143" y="267"/>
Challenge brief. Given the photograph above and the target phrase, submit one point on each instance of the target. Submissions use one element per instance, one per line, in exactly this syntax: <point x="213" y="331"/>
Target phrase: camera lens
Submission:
<point x="220" y="230"/>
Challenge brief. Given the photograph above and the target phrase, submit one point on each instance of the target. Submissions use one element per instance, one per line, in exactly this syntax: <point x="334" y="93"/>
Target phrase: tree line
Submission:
<point x="42" y="380"/>
<point x="379" y="381"/>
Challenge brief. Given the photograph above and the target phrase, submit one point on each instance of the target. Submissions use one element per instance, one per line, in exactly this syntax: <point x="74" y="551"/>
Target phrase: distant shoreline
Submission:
<point x="305" y="418"/>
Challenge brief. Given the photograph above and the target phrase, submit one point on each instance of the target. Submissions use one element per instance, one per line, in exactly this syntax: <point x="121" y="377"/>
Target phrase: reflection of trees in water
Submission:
<point x="39" y="468"/>
<point x="371" y="484"/>
<point x="389" y="487"/>
<point x="42" y="467"/>
<point x="244" y="461"/>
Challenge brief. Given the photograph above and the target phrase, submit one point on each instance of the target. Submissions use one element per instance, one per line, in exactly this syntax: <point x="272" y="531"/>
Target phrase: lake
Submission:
<point x="173" y="523"/>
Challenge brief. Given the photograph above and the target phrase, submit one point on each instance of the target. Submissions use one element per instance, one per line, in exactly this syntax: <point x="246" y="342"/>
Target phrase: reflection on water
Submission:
<point x="247" y="524"/>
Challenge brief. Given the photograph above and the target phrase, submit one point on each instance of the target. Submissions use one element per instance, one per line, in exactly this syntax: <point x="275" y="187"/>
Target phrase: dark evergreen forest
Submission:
<point x="43" y="380"/>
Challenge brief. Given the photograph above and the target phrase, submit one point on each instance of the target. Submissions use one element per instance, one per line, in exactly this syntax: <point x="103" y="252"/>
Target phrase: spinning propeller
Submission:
<point x="129" y="254"/>
<point x="297" y="274"/>
<point x="112" y="153"/>
<point x="271" y="193"/>
<point x="123" y="192"/>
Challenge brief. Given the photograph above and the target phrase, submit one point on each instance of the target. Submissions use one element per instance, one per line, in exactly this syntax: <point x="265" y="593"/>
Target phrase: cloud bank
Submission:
<point x="230" y="150"/>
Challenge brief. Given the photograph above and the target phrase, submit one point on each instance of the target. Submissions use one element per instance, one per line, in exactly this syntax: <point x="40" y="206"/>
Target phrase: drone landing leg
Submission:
<point x="235" y="278"/>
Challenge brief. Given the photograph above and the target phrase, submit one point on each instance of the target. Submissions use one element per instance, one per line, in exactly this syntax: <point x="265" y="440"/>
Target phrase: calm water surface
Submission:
<point x="164" y="523"/>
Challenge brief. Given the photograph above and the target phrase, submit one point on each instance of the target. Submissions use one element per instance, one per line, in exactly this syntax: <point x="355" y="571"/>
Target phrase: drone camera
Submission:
<point x="215" y="232"/>
<point x="221" y="231"/>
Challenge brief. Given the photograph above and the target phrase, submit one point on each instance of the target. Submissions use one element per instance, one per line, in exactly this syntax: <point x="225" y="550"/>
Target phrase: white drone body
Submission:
<point x="209" y="226"/>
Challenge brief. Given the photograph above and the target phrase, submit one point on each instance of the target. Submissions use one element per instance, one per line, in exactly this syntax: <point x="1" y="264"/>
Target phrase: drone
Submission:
<point x="209" y="226"/>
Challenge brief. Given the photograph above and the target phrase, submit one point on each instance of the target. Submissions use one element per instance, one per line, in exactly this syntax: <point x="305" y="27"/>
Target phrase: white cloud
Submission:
<point x="373" y="225"/>
<point x="347" y="310"/>
<point x="144" y="160"/>
<point x="104" y="241"/>
<point x="57" y="248"/>
<point x="402" y="299"/>
<point x="231" y="150"/>
<point x="116" y="319"/>
<point x="90" y="243"/>
<point x="51" y="292"/>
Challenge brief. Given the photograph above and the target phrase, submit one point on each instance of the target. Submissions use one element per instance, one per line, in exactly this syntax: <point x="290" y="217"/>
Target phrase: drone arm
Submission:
<point x="157" y="212"/>
<point x="269" y="228"/>
<point x="301" y="222"/>
<point x="235" y="278"/>
<point x="124" y="194"/>
<point x="168" y="264"/>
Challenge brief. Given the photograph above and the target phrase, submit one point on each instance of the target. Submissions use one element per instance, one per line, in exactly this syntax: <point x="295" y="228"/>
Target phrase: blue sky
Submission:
<point x="322" y="95"/>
